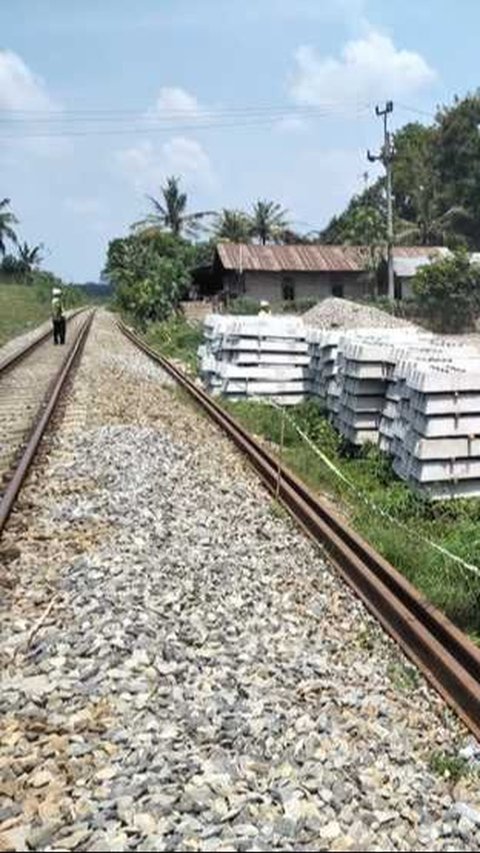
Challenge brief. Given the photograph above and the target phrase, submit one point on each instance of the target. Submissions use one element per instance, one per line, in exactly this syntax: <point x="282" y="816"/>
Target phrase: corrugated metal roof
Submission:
<point x="419" y="251"/>
<point x="296" y="258"/>
<point x="316" y="258"/>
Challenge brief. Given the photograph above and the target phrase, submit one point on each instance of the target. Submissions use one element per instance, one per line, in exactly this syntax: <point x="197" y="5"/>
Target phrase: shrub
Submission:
<point x="243" y="305"/>
<point x="447" y="293"/>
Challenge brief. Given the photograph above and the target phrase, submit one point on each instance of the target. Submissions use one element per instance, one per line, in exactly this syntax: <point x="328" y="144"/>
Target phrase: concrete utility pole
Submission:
<point x="386" y="156"/>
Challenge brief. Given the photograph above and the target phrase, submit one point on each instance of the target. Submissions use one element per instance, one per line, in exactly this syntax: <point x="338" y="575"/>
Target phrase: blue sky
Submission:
<point x="245" y="99"/>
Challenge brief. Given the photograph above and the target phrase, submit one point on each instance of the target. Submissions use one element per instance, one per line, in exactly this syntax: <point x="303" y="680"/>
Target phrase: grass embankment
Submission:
<point x="20" y="310"/>
<point x="24" y="306"/>
<point x="454" y="525"/>
<point x="176" y="339"/>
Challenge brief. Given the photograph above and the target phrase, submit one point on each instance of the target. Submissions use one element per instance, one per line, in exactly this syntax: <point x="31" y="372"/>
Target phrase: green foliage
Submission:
<point x="359" y="222"/>
<point x="11" y="267"/>
<point x="456" y="161"/>
<point x="20" y="310"/>
<point x="176" y="338"/>
<point x="150" y="273"/>
<point x="171" y="213"/>
<point x="448" y="292"/>
<point x="451" y="767"/>
<point x="268" y="221"/>
<point x="405" y="678"/>
<point x="232" y="225"/>
<point x="243" y="305"/>
<point x="23" y="307"/>
<point x="453" y="525"/>
<point x="7" y="221"/>
<point x="298" y="306"/>
<point x="435" y="181"/>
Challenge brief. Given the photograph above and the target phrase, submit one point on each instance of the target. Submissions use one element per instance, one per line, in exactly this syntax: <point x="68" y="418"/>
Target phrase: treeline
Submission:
<point x="436" y="186"/>
<point x="151" y="268"/>
<point x="20" y="263"/>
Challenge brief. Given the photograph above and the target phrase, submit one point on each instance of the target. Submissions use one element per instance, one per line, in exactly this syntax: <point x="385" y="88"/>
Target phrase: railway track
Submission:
<point x="448" y="659"/>
<point x="152" y="592"/>
<point x="31" y="381"/>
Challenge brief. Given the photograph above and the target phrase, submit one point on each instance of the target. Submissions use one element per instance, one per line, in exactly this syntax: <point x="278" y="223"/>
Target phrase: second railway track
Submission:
<point x="30" y="382"/>
<point x="29" y="390"/>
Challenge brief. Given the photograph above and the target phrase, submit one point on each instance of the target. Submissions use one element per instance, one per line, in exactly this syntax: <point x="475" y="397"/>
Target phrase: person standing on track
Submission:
<point x="58" y="317"/>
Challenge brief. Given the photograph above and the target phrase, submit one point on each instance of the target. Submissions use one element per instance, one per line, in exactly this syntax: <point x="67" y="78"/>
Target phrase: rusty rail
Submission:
<point x="41" y="422"/>
<point x="447" y="658"/>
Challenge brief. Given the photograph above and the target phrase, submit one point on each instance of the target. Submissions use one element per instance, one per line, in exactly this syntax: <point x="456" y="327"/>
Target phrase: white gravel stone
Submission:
<point x="334" y="313"/>
<point x="198" y="700"/>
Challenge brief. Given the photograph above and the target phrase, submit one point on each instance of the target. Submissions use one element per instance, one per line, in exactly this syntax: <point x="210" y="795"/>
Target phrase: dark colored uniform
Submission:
<point x="59" y="325"/>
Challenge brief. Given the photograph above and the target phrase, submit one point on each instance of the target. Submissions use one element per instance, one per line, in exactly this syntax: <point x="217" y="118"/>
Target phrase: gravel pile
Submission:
<point x="335" y="313"/>
<point x="182" y="669"/>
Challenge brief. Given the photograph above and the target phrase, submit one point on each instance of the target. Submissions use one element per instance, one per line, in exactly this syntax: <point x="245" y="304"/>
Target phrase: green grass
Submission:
<point x="451" y="767"/>
<point x="455" y="525"/>
<point x="20" y="310"/>
<point x="25" y="306"/>
<point x="178" y="339"/>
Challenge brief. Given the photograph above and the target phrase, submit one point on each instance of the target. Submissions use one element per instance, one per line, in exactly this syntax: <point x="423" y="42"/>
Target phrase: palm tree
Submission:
<point x="233" y="225"/>
<point x="269" y="220"/>
<point x="29" y="256"/>
<point x="430" y="227"/>
<point x="7" y="219"/>
<point x="170" y="213"/>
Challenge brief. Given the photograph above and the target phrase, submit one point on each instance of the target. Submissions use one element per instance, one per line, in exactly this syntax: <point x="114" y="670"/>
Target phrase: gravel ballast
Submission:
<point x="182" y="669"/>
<point x="334" y="313"/>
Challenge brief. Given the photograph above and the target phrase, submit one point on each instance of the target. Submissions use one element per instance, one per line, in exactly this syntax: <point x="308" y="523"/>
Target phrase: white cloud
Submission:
<point x="20" y="88"/>
<point x="25" y="100"/>
<point x="174" y="102"/>
<point x="368" y="68"/>
<point x="147" y="165"/>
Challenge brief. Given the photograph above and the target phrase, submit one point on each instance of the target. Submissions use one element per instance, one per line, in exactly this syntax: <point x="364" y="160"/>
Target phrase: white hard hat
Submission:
<point x="56" y="291"/>
<point x="264" y="303"/>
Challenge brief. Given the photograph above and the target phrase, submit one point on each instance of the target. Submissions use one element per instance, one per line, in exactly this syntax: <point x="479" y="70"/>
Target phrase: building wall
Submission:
<point x="307" y="285"/>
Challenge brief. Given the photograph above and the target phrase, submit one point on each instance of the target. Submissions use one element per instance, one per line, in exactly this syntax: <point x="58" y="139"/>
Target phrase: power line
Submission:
<point x="146" y="124"/>
<point x="416" y="110"/>
<point x="263" y="107"/>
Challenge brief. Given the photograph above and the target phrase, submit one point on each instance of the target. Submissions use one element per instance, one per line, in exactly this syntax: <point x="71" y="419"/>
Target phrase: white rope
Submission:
<point x="328" y="462"/>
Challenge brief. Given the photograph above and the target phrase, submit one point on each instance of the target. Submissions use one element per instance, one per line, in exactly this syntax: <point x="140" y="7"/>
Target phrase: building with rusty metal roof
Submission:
<point x="309" y="272"/>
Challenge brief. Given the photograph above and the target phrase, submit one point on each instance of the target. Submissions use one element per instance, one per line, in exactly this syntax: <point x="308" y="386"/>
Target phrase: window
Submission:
<point x="288" y="289"/>
<point x="337" y="289"/>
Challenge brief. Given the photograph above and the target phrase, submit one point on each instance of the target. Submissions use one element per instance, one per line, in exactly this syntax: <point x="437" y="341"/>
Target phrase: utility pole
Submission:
<point x="386" y="157"/>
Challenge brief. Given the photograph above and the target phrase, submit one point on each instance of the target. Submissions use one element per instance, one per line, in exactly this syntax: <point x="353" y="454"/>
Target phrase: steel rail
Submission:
<point x="448" y="659"/>
<point x="41" y="421"/>
<point x="17" y="357"/>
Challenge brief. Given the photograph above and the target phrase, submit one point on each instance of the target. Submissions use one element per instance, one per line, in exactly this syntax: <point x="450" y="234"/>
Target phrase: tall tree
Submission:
<point x="7" y="221"/>
<point x="171" y="212"/>
<point x="365" y="211"/>
<point x="268" y="221"/>
<point x="424" y="215"/>
<point x="233" y="225"/>
<point x="29" y="256"/>
<point x="457" y="162"/>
